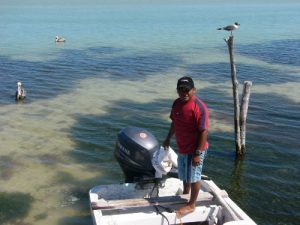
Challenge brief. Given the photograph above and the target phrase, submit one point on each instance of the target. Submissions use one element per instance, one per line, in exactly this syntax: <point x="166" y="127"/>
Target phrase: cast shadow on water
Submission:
<point x="47" y="79"/>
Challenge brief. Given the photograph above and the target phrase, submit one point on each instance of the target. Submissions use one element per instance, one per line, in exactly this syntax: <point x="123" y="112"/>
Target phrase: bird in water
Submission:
<point x="20" y="92"/>
<point x="59" y="39"/>
<point x="230" y="27"/>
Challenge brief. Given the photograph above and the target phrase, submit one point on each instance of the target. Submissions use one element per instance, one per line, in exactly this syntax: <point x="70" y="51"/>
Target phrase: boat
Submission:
<point x="151" y="196"/>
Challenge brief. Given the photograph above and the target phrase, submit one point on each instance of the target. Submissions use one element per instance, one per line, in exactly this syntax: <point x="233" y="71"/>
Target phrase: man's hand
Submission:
<point x="196" y="160"/>
<point x="166" y="144"/>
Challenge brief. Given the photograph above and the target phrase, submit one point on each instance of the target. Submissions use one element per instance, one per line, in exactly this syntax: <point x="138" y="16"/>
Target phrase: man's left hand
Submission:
<point x="196" y="160"/>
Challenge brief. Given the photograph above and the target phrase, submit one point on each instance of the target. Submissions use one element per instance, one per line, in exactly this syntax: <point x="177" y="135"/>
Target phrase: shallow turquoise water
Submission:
<point x="119" y="67"/>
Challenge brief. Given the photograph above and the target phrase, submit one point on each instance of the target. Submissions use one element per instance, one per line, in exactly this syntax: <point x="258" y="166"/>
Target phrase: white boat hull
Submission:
<point x="133" y="203"/>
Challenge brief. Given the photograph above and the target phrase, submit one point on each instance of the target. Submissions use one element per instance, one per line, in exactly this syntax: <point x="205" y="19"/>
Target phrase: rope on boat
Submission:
<point x="155" y="187"/>
<point x="169" y="210"/>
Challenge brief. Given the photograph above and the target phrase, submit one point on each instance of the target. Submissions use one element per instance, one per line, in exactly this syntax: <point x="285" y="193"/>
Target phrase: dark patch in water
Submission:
<point x="48" y="79"/>
<point x="49" y="159"/>
<point x="77" y="220"/>
<point x="96" y="135"/>
<point x="14" y="207"/>
<point x="220" y="73"/>
<point x="7" y="167"/>
<point x="41" y="216"/>
<point x="285" y="52"/>
<point x="64" y="177"/>
<point x="19" y="222"/>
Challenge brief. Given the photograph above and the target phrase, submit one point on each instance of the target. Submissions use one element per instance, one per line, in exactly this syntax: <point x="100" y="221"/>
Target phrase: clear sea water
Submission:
<point x="118" y="68"/>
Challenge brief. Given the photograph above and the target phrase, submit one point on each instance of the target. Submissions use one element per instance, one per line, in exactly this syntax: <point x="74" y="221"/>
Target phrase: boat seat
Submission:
<point x="143" y="202"/>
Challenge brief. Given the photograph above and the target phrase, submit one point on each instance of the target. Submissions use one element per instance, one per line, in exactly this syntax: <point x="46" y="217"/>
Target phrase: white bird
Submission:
<point x="230" y="27"/>
<point x="59" y="39"/>
<point x="20" y="92"/>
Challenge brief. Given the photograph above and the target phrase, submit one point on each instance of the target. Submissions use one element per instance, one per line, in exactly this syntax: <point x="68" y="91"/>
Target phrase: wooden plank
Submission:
<point x="142" y="202"/>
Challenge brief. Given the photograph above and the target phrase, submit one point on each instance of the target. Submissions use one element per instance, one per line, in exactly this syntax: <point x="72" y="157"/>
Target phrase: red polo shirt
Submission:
<point x="190" y="119"/>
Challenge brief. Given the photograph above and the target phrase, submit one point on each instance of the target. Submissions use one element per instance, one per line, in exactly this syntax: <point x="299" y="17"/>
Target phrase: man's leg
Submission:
<point x="191" y="205"/>
<point x="194" y="193"/>
<point x="195" y="185"/>
<point x="186" y="187"/>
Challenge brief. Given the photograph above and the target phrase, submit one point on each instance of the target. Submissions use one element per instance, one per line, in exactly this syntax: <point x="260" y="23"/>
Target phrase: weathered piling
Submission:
<point x="240" y="113"/>
<point x="243" y="114"/>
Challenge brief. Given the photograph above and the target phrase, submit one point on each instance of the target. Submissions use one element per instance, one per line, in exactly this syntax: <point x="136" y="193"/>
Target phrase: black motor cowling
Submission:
<point x="134" y="150"/>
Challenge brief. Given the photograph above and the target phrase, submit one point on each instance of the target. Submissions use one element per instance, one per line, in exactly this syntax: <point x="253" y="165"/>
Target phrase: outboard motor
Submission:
<point x="134" y="150"/>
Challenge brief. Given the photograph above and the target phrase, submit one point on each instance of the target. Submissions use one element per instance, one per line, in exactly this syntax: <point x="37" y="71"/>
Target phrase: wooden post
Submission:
<point x="235" y="90"/>
<point x="239" y="115"/>
<point x="243" y="114"/>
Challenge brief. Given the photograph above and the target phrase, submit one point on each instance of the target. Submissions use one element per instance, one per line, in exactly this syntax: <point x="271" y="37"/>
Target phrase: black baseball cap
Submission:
<point x="185" y="82"/>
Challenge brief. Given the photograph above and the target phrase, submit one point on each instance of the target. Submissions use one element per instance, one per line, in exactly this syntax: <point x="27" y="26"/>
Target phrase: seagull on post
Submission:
<point x="230" y="27"/>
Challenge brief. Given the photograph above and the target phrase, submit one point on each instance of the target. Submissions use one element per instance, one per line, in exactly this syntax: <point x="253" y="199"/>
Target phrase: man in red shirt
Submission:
<point x="190" y="121"/>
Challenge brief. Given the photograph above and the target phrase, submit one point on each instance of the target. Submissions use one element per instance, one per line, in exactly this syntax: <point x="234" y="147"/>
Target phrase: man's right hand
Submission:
<point x="166" y="144"/>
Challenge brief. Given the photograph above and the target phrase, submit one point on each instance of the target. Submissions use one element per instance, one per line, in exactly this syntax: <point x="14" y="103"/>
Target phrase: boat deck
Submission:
<point x="127" y="204"/>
